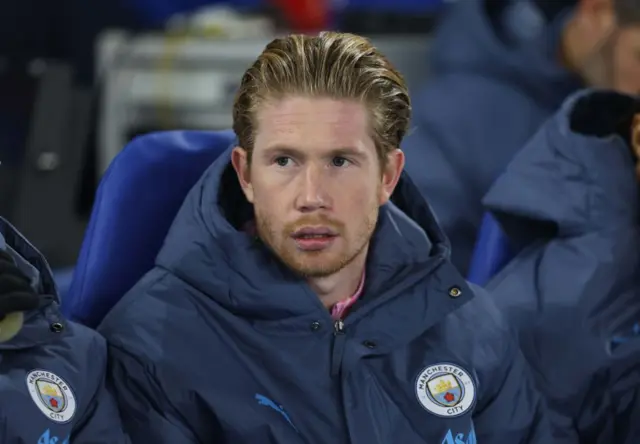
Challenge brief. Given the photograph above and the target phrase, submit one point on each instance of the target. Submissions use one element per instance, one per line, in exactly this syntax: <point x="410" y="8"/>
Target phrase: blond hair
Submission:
<point x="331" y="64"/>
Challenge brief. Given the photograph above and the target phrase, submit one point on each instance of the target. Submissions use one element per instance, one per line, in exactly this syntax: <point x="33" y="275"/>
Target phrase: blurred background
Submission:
<point x="79" y="79"/>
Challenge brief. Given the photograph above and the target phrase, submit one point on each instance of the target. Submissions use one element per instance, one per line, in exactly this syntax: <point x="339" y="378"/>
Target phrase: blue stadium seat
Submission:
<point x="136" y="202"/>
<point x="491" y="252"/>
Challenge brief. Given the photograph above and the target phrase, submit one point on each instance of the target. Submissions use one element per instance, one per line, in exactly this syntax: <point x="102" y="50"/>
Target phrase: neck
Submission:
<point x="341" y="285"/>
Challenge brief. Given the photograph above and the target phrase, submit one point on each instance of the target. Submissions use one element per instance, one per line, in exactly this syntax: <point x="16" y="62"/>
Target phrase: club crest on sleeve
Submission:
<point x="52" y="395"/>
<point x="446" y="390"/>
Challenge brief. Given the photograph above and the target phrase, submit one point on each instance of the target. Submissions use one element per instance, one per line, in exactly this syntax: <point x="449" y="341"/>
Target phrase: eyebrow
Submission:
<point x="284" y="150"/>
<point x="281" y="150"/>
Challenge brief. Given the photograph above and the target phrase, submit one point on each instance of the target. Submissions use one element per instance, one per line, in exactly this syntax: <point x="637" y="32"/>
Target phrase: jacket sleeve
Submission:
<point x="508" y="407"/>
<point x="100" y="422"/>
<point x="511" y="410"/>
<point x="565" y="300"/>
<point x="148" y="414"/>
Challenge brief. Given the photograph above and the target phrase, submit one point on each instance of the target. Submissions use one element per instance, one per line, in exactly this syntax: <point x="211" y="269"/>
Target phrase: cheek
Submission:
<point x="357" y="200"/>
<point x="627" y="78"/>
<point x="268" y="202"/>
<point x="265" y="199"/>
<point x="627" y="68"/>
<point x="265" y="185"/>
<point x="629" y="65"/>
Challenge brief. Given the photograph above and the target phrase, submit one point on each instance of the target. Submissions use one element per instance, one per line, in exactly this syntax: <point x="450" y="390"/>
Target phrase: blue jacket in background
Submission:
<point x="220" y="343"/>
<point x="494" y="80"/>
<point x="52" y="373"/>
<point x="570" y="199"/>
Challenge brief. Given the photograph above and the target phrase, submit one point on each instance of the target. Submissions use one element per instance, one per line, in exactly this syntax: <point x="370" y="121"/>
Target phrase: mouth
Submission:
<point x="314" y="232"/>
<point x="314" y="238"/>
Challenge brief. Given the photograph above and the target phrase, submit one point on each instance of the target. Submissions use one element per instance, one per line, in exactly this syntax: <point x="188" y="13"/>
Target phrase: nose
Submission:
<point x="312" y="195"/>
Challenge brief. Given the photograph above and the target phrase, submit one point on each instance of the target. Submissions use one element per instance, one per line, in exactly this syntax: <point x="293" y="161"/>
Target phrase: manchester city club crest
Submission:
<point x="52" y="395"/>
<point x="446" y="390"/>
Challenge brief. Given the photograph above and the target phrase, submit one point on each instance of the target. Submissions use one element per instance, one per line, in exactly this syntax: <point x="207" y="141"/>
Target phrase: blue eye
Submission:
<point x="282" y="161"/>
<point x="339" y="162"/>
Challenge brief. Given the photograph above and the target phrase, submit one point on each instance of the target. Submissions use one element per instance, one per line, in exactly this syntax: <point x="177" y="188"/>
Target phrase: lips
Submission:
<point x="314" y="239"/>
<point x="314" y="233"/>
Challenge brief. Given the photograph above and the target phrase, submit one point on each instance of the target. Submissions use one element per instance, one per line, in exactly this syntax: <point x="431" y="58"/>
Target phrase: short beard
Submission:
<point x="310" y="269"/>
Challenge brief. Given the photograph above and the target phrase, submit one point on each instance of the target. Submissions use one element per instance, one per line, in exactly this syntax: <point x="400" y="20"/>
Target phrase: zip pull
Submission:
<point x="338" y="347"/>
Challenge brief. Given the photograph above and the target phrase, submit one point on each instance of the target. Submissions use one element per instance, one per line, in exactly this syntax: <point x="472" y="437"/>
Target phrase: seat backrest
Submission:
<point x="136" y="203"/>
<point x="491" y="253"/>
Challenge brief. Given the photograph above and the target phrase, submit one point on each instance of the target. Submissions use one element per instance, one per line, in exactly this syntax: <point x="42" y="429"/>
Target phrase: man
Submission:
<point x="572" y="294"/>
<point x="292" y="302"/>
<point x="52" y="372"/>
<point x="500" y="68"/>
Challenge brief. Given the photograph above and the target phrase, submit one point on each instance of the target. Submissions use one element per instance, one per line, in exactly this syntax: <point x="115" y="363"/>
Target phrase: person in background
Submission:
<point x="570" y="204"/>
<point x="499" y="69"/>
<point x="52" y="372"/>
<point x="304" y="293"/>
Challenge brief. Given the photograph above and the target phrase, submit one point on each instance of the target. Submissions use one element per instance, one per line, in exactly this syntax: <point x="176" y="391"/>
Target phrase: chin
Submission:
<point x="318" y="266"/>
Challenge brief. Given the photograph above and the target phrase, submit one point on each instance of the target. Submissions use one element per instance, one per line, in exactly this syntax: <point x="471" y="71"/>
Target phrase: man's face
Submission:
<point x="612" y="58"/>
<point x="316" y="182"/>
<point x="626" y="60"/>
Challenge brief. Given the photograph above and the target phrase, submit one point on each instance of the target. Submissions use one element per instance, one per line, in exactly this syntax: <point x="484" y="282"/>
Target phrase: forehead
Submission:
<point x="312" y="122"/>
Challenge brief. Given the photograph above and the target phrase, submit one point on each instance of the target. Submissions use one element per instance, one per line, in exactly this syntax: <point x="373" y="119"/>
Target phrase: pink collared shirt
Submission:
<point x="339" y="310"/>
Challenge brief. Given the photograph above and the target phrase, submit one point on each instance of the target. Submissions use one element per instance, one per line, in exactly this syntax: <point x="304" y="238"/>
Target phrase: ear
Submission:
<point x="391" y="174"/>
<point x="240" y="162"/>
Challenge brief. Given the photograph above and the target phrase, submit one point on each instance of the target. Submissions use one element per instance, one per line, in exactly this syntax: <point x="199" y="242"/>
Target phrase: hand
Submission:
<point x="16" y="293"/>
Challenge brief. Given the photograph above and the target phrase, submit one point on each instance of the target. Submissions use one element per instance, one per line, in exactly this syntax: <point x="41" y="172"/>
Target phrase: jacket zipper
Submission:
<point x="338" y="346"/>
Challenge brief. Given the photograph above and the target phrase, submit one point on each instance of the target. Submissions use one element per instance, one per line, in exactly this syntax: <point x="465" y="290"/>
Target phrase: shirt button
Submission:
<point x="315" y="326"/>
<point x="369" y="344"/>
<point x="454" y="292"/>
